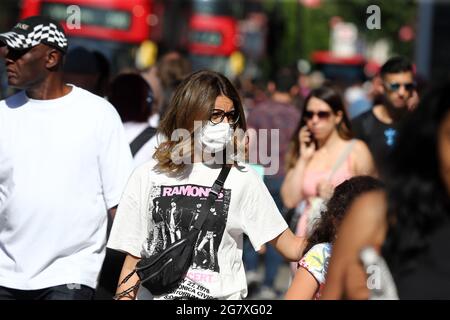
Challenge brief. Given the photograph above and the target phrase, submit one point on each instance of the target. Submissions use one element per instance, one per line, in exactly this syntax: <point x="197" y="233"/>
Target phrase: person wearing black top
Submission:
<point x="398" y="95"/>
<point x="416" y="245"/>
<point x="409" y="224"/>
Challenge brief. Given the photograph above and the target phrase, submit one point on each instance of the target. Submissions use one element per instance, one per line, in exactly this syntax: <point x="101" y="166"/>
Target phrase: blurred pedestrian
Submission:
<point x="151" y="76"/>
<point x="104" y="73"/>
<point x="398" y="95"/>
<point x="357" y="100"/>
<point x="322" y="155"/>
<point x="133" y="99"/>
<point x="172" y="68"/>
<point x="277" y="113"/>
<point x="81" y="69"/>
<point x="70" y="161"/>
<point x="409" y="224"/>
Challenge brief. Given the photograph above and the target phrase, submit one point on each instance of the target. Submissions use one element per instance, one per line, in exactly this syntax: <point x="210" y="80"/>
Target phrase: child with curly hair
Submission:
<point x="312" y="268"/>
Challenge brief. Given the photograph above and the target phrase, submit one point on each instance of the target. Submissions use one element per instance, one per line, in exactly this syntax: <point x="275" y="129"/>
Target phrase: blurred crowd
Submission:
<point x="362" y="172"/>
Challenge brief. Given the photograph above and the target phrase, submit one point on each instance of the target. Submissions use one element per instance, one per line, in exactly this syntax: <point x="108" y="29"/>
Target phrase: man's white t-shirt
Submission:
<point x="6" y="181"/>
<point x="146" y="223"/>
<point x="70" y="163"/>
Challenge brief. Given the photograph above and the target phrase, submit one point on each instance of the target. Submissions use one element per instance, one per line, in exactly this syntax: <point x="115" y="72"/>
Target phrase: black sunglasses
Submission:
<point x="321" y="114"/>
<point x="15" y="54"/>
<point x="218" y="115"/>
<point x="395" y="86"/>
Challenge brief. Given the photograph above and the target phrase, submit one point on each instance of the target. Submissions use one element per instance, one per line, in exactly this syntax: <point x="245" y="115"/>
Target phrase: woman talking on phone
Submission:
<point x="322" y="155"/>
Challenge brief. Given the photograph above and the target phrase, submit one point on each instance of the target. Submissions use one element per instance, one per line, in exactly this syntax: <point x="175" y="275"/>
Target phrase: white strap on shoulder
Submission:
<point x="342" y="158"/>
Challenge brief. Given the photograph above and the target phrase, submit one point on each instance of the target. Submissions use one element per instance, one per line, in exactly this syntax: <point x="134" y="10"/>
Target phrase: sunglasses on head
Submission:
<point x="321" y="114"/>
<point x="395" y="86"/>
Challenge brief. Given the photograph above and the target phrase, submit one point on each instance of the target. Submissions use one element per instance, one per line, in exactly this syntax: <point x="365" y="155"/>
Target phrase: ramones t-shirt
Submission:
<point x="156" y="210"/>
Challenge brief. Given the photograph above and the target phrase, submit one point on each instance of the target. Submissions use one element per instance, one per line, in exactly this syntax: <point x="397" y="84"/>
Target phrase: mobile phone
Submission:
<point x="313" y="139"/>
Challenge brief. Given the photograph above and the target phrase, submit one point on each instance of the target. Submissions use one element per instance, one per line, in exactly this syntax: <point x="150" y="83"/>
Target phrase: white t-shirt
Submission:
<point x="70" y="163"/>
<point x="153" y="120"/>
<point x="145" y="153"/>
<point x="6" y="181"/>
<point x="156" y="210"/>
<point x="133" y="129"/>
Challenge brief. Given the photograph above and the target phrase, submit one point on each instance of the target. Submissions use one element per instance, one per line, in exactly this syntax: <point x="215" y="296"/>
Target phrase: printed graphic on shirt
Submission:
<point x="390" y="134"/>
<point x="173" y="212"/>
<point x="188" y="290"/>
<point x="316" y="261"/>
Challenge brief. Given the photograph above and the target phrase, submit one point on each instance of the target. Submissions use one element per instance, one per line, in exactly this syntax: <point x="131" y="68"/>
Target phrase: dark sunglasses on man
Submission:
<point x="395" y="86"/>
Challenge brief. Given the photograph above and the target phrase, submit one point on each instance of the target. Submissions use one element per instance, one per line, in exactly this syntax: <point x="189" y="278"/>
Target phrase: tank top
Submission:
<point x="340" y="172"/>
<point x="335" y="176"/>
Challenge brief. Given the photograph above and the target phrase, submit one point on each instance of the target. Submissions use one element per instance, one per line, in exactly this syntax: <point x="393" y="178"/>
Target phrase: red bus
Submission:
<point x="113" y="27"/>
<point x="117" y="27"/>
<point x="213" y="34"/>
<point x="342" y="70"/>
<point x="124" y="20"/>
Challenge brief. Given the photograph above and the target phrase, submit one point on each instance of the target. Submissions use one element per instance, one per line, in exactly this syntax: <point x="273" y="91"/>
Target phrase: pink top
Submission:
<point x="312" y="178"/>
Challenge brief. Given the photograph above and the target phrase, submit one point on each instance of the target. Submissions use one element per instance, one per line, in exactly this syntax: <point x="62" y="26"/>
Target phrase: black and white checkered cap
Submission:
<point x="35" y="30"/>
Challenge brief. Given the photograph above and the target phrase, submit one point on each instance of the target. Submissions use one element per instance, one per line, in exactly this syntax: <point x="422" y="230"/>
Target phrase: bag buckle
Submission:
<point x="216" y="188"/>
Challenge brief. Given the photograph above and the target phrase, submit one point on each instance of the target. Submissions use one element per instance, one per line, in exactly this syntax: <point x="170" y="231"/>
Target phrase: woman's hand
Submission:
<point x="413" y="101"/>
<point x="124" y="286"/>
<point x="307" y="145"/>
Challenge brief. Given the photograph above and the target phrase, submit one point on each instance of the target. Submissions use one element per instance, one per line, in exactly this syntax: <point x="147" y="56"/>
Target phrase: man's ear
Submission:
<point x="54" y="58"/>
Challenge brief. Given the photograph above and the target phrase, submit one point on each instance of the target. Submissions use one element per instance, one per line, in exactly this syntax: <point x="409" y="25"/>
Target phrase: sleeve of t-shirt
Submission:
<point x="262" y="220"/>
<point x="128" y="232"/>
<point x="316" y="261"/>
<point x="115" y="160"/>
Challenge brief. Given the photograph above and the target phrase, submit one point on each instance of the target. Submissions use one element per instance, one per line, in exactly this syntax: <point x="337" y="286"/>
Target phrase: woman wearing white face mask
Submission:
<point x="244" y="204"/>
<point x="217" y="133"/>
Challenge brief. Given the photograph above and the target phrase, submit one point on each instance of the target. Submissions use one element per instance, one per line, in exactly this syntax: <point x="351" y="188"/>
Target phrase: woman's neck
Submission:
<point x="330" y="141"/>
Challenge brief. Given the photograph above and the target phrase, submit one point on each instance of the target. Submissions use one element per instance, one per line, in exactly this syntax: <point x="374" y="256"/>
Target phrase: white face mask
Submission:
<point x="216" y="137"/>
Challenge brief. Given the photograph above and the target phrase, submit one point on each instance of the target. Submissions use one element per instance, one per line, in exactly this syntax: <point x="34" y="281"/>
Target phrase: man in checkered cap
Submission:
<point x="33" y="31"/>
<point x="68" y="163"/>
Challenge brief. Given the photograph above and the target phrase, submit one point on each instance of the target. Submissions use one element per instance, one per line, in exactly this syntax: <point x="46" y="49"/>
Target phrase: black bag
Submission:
<point x="162" y="272"/>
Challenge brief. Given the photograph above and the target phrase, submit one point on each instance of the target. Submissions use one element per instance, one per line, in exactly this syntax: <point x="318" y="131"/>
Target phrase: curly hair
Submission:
<point x="325" y="229"/>
<point x="418" y="201"/>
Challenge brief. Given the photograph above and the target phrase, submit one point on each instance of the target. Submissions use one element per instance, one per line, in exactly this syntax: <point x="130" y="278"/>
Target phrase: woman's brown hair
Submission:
<point x="193" y="100"/>
<point x="332" y="97"/>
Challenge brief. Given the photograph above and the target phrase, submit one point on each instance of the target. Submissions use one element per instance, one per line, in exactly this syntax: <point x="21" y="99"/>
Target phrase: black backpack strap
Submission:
<point x="142" y="139"/>
<point x="213" y="194"/>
